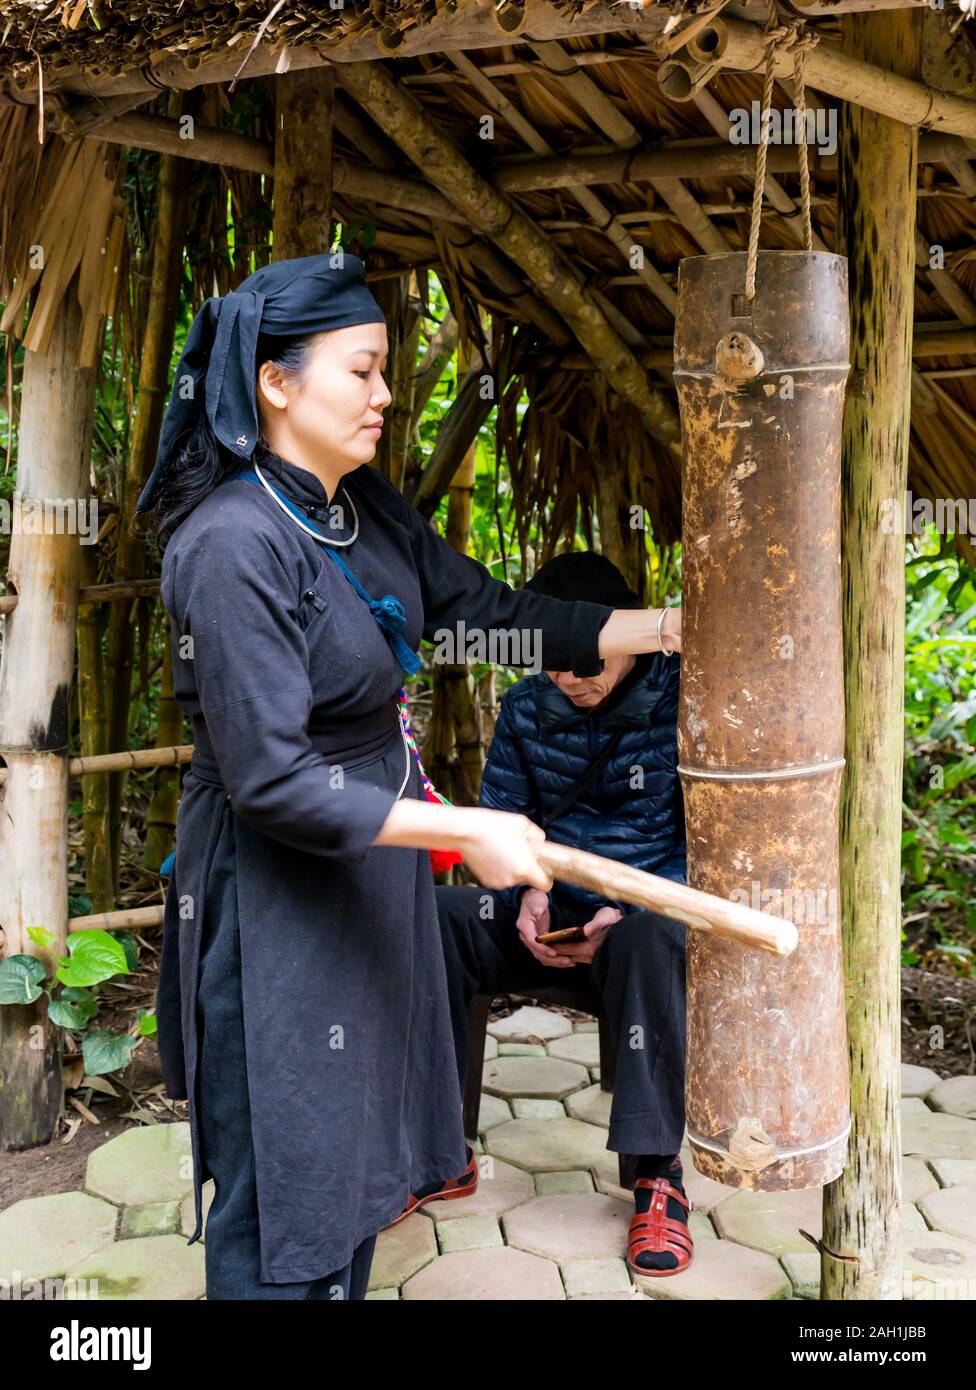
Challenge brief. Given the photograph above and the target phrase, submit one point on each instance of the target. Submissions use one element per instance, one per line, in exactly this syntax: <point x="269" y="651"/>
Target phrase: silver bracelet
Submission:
<point x="660" y="635"/>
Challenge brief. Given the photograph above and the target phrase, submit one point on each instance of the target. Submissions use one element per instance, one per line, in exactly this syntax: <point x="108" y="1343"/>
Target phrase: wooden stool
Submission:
<point x="477" y="1029"/>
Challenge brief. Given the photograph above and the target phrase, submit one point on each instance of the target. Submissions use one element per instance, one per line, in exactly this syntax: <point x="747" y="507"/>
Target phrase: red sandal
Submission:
<point x="654" y="1232"/>
<point x="462" y="1186"/>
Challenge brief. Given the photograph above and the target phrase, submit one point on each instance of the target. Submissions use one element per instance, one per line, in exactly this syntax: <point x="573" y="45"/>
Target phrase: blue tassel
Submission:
<point x="168" y="864"/>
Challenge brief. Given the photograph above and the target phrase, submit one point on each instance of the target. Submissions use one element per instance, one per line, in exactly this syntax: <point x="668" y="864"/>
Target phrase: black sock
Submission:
<point x="659" y="1166"/>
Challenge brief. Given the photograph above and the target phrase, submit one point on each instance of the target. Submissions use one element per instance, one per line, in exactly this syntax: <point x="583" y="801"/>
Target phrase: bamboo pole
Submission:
<point x="860" y="1252"/>
<point x="457" y="681"/>
<point x="674" y="159"/>
<point x="468" y="25"/>
<point x="877" y="87"/>
<point x="304" y="104"/>
<point x="126" y="919"/>
<point x="705" y="912"/>
<point x="93" y="739"/>
<point x="157" y="347"/>
<point x="131" y="760"/>
<point x="598" y="212"/>
<point x="57" y="406"/>
<point x="555" y="279"/>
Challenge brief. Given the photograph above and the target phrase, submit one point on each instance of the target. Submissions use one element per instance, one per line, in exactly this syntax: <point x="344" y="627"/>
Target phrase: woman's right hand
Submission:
<point x="499" y="848"/>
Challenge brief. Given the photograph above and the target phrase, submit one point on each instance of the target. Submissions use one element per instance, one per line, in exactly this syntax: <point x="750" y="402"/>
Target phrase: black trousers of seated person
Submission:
<point x="639" y="976"/>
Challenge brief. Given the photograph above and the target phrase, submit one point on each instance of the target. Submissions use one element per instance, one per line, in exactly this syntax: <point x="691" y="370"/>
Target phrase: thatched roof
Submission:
<point x="524" y="87"/>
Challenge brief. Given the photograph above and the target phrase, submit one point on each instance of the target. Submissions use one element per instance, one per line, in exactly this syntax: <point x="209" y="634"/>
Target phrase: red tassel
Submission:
<point x="442" y="859"/>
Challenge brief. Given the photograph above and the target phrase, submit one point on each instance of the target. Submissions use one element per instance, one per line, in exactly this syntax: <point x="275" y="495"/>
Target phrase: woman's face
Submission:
<point x="333" y="414"/>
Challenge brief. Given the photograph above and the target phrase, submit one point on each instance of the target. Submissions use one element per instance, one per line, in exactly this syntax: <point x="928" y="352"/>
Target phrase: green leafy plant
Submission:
<point x="93" y="957"/>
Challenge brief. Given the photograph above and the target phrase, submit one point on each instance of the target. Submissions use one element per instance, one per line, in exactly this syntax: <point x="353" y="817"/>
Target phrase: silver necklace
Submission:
<point x="308" y="529"/>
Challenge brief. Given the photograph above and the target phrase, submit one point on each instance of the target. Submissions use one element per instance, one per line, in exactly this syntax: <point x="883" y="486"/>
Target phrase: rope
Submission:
<point x="778" y="39"/>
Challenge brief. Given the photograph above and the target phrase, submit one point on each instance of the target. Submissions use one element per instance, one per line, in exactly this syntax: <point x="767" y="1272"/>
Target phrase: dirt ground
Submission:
<point x="938" y="1029"/>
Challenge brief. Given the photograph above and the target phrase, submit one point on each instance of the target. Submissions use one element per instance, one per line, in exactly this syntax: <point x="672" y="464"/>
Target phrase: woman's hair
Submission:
<point x="201" y="461"/>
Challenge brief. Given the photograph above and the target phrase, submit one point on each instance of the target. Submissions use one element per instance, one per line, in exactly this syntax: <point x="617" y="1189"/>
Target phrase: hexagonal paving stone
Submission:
<point x="153" y="1219"/>
<point x="548" y="1184"/>
<point x="148" y="1164"/>
<point x="402" y="1250"/>
<point x="955" y="1096"/>
<point x="722" y="1270"/>
<point x="705" y="1193"/>
<point x="917" y="1081"/>
<point x="578" y="1047"/>
<point x="530" y="1024"/>
<point x="383" y="1295"/>
<point x="526" y="1108"/>
<point x="938" y="1136"/>
<point x="592" y="1105"/>
<point x="606" y="1175"/>
<point x="569" y="1227"/>
<point x="952" y="1209"/>
<point x="521" y="1050"/>
<point x="916" y="1179"/>
<point x="586" y="1025"/>
<point x="951" y="1171"/>
<point x="158" y="1267"/>
<point x="582" y="1277"/>
<point x="700" y="1226"/>
<point x="491" y="1048"/>
<point x="913" y="1105"/>
<point x="41" y="1236"/>
<point x="541" y="1077"/>
<point x="493" y="1111"/>
<point x="487" y="1275"/>
<point x="472" y="1233"/>
<point x="500" y="1186"/>
<point x="547" y="1146"/>
<point x="771" y="1221"/>
<point x="804" y="1272"/>
<point x="912" y="1219"/>
<point x="940" y="1259"/>
<point x="187" y="1218"/>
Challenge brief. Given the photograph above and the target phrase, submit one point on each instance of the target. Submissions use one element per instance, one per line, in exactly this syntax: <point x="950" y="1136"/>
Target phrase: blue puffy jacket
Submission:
<point x="634" y="812"/>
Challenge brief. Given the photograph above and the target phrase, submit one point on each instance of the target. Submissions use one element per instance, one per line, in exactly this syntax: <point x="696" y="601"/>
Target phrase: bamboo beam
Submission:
<point x="470" y="25"/>
<point x="132" y="759"/>
<point x="594" y="101"/>
<point x="126" y="919"/>
<point x="860" y="1250"/>
<point x="57" y="408"/>
<point x="556" y="281"/>
<point x="730" y="43"/>
<point x="458" y="431"/>
<point x="98" y="593"/>
<point x="598" y="211"/>
<point x="694" y="158"/>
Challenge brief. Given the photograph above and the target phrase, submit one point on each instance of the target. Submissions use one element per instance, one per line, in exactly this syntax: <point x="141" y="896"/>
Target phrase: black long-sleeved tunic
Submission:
<point x="298" y="758"/>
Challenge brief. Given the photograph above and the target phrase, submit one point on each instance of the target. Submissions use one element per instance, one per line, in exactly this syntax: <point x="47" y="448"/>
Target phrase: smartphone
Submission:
<point x="567" y="934"/>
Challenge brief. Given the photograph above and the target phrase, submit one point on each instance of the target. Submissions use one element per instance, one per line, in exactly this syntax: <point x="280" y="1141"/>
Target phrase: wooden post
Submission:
<point x="304" y="109"/>
<point x="876" y="223"/>
<point x="57" y="404"/>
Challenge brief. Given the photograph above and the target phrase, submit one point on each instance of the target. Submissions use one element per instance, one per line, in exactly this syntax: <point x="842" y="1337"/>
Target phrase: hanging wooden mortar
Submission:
<point x="761" y="727"/>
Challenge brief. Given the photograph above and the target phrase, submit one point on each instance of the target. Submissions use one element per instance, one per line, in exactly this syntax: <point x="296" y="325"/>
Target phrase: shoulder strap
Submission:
<point x="588" y="778"/>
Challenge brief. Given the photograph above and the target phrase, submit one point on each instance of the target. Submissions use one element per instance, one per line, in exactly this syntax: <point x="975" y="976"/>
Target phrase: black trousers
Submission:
<point x="639" y="976"/>
<point x="232" y="1253"/>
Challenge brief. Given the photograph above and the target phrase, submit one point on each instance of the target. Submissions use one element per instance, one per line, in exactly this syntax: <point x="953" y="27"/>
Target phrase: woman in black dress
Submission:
<point x="302" y="1003"/>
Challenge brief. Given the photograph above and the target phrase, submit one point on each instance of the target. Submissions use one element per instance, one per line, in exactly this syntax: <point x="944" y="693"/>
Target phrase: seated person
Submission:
<point x="551" y="728"/>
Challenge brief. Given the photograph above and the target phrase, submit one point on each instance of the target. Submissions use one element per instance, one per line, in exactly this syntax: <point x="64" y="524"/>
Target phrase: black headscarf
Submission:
<point x="287" y="299"/>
